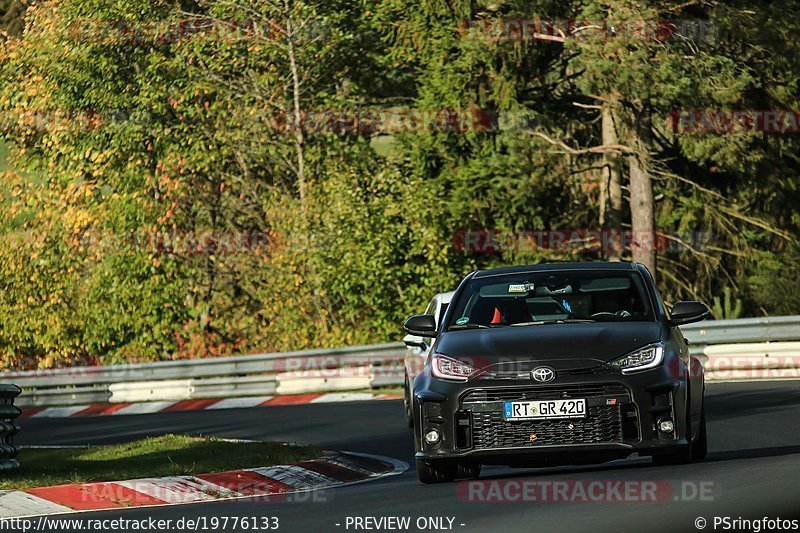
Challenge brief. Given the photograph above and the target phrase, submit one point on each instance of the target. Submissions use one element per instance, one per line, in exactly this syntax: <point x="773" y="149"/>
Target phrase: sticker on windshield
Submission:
<point x="520" y="287"/>
<point x="463" y="320"/>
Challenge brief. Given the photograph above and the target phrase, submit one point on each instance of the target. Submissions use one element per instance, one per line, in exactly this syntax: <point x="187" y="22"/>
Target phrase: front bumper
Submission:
<point x="623" y="412"/>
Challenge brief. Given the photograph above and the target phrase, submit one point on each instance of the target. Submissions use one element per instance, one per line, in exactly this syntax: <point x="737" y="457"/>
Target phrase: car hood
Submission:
<point x="562" y="346"/>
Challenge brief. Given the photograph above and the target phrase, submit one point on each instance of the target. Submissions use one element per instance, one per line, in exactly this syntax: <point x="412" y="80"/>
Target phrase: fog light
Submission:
<point x="432" y="437"/>
<point x="666" y="426"/>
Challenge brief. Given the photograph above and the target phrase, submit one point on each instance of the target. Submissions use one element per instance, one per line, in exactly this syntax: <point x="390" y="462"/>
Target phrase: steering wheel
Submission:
<point x="622" y="313"/>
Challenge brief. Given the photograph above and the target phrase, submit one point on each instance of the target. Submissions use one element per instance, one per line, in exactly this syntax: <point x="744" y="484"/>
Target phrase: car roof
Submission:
<point x="546" y="267"/>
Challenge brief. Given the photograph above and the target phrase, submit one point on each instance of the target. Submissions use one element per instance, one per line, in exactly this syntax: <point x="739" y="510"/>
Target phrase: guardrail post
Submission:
<point x="8" y="428"/>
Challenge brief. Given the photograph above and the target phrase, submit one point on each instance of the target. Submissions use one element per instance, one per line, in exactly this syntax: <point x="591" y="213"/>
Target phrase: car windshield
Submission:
<point x="552" y="297"/>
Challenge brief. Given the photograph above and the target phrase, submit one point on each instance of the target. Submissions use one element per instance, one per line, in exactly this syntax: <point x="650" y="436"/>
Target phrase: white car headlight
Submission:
<point x="444" y="367"/>
<point x="642" y="359"/>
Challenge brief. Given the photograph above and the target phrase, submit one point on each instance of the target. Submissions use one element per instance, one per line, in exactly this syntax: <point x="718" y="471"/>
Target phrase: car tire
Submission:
<point x="681" y="456"/>
<point x="700" y="445"/>
<point x="469" y="470"/>
<point x="436" y="471"/>
<point x="407" y="404"/>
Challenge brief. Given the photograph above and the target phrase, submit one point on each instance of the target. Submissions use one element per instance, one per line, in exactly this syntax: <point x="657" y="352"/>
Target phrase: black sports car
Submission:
<point x="556" y="364"/>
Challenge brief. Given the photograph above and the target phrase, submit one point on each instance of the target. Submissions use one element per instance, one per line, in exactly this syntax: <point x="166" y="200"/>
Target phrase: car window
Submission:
<point x="539" y="297"/>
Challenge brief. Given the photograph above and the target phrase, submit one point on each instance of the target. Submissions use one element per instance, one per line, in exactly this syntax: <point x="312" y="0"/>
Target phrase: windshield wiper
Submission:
<point x="472" y="325"/>
<point x="558" y="321"/>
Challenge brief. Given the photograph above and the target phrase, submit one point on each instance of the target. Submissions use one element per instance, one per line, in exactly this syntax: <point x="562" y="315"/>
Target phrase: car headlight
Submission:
<point x="447" y="368"/>
<point x="642" y="359"/>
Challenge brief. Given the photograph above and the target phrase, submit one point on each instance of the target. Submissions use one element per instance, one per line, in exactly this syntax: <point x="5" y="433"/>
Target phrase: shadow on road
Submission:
<point x="751" y="398"/>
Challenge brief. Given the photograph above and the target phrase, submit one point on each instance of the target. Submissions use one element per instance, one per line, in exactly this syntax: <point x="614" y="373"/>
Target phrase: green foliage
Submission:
<point x="774" y="280"/>
<point x="3" y="157"/>
<point x="727" y="310"/>
<point x="117" y="144"/>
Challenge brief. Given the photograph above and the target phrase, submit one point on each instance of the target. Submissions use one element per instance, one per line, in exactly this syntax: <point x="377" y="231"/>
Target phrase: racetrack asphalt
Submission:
<point x="753" y="470"/>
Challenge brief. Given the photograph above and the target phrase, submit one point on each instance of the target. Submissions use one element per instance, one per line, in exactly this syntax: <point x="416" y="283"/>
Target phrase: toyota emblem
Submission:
<point x="543" y="374"/>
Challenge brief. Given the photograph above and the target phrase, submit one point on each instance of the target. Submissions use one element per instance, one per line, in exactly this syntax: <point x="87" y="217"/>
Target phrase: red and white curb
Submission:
<point x="334" y="469"/>
<point x="198" y="405"/>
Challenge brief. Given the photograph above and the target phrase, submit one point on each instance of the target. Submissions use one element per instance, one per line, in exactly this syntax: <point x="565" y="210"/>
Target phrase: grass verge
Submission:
<point x="170" y="455"/>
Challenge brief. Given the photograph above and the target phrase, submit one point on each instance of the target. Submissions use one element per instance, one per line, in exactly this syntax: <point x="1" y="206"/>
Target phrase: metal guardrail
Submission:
<point x="224" y="377"/>
<point x="8" y="428"/>
<point x="207" y="368"/>
<point x="765" y="329"/>
<point x="278" y="373"/>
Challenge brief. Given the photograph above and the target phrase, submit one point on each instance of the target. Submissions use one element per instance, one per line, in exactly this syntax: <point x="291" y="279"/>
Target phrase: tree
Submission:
<point x="12" y="17"/>
<point x="189" y="179"/>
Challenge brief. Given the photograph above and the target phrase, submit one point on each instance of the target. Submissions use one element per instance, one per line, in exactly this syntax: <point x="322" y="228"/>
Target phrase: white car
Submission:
<point x="418" y="348"/>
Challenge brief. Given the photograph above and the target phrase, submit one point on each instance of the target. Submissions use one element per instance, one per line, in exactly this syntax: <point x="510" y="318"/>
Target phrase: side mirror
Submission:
<point x="414" y="341"/>
<point x="421" y="325"/>
<point x="688" y="312"/>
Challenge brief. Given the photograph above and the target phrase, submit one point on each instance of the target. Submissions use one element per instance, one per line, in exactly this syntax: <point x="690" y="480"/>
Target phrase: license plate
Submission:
<point x="544" y="409"/>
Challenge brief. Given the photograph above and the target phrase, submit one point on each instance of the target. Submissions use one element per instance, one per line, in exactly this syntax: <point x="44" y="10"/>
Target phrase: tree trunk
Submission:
<point x="308" y="270"/>
<point x="611" y="187"/>
<point x="643" y="242"/>
<point x="299" y="137"/>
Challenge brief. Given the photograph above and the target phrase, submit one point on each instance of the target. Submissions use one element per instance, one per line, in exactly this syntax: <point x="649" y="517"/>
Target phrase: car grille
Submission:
<point x="595" y="371"/>
<point x="602" y="425"/>
<point x="507" y="394"/>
